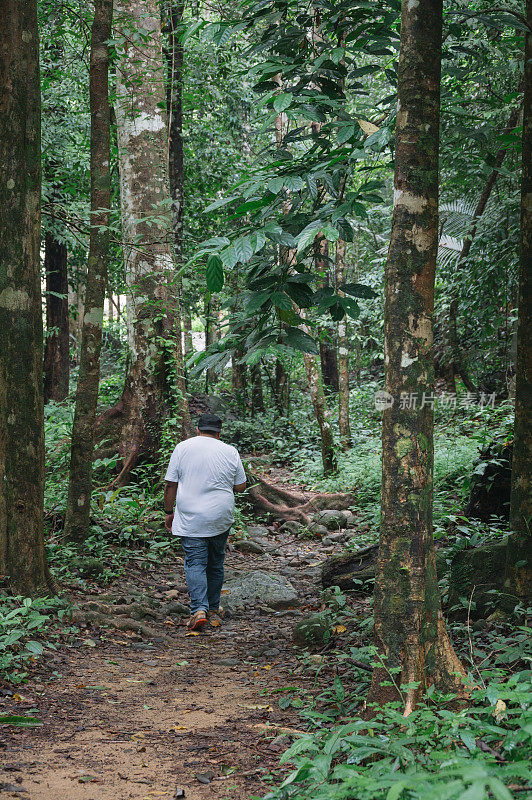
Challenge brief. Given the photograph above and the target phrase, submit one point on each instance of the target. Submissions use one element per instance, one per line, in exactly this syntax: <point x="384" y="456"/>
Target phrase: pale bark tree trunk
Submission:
<point x="56" y="350"/>
<point x="77" y="519"/>
<point x="177" y="193"/>
<point x="519" y="552"/>
<point x="144" y="196"/>
<point x="343" y="354"/>
<point x="22" y="557"/>
<point x="412" y="642"/>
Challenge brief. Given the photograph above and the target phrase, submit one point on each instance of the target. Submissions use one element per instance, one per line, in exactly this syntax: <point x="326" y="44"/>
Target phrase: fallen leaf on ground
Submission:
<point x="339" y="629"/>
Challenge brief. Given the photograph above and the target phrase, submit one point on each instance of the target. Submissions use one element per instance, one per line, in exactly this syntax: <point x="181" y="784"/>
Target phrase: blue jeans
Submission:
<point x="204" y="569"/>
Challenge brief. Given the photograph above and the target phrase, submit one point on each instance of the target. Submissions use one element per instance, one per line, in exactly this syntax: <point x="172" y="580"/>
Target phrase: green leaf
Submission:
<point x="300" y="340"/>
<point x="307" y="235"/>
<point x="20" y="722"/>
<point x="282" y="101"/>
<point x="35" y="648"/>
<point x="359" y="290"/>
<point x="243" y="248"/>
<point x="215" y="273"/>
<point x="345" y="133"/>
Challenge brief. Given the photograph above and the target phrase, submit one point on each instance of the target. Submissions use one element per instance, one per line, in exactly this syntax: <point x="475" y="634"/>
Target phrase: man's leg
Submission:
<point x="215" y="569"/>
<point x="196" y="560"/>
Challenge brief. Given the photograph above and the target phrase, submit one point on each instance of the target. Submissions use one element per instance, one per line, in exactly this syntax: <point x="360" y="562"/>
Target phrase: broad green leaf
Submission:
<point x="243" y="249"/>
<point x="299" y="340"/>
<point x="214" y="273"/>
<point x="282" y="101"/>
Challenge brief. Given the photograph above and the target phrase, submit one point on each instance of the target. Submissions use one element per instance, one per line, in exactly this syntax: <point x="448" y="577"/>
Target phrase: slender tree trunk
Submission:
<point x="343" y="354"/>
<point x="519" y="552"/>
<point x="187" y="325"/>
<point x="22" y="556"/>
<point x="56" y="351"/>
<point x="412" y="642"/>
<point x="257" y="394"/>
<point x="176" y="167"/>
<point x="281" y="388"/>
<point x="239" y="378"/>
<point x="81" y="454"/>
<point x="328" y="358"/>
<point x="144" y="194"/>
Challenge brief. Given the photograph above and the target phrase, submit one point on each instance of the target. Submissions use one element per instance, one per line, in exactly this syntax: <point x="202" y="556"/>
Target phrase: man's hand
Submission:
<point x="170" y="493"/>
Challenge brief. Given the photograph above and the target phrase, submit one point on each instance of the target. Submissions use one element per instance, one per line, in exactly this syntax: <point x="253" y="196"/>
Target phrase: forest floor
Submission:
<point x="190" y="715"/>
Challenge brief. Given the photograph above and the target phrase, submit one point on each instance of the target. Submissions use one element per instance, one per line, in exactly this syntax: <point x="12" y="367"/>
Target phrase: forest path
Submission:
<point x="129" y="719"/>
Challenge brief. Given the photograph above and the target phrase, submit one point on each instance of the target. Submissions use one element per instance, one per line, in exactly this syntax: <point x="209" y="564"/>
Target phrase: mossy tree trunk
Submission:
<point x="519" y="551"/>
<point x="412" y="642"/>
<point x="82" y="448"/>
<point x="22" y="556"/>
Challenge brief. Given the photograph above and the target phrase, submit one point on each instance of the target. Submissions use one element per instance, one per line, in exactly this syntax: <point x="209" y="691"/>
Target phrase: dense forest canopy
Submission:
<point x="314" y="222"/>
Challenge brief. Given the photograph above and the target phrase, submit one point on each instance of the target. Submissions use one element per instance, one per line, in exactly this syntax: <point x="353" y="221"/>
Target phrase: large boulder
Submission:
<point x="332" y="519"/>
<point x="258" y="588"/>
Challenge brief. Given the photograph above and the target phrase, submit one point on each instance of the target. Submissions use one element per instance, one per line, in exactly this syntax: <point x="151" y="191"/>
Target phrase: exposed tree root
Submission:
<point x="105" y="616"/>
<point x="287" y="504"/>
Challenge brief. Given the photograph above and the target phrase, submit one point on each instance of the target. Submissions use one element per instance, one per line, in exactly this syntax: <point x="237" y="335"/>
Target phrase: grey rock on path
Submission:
<point x="332" y="519"/>
<point x="265" y="588"/>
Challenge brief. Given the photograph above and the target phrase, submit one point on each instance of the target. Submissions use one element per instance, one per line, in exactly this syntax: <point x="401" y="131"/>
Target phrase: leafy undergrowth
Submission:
<point x="442" y="751"/>
<point x="27" y="632"/>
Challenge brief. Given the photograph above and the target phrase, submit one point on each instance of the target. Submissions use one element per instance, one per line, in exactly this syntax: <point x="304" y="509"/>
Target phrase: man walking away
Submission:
<point x="202" y="477"/>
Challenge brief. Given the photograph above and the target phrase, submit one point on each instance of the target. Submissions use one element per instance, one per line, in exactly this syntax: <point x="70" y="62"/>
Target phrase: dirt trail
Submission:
<point x="128" y="719"/>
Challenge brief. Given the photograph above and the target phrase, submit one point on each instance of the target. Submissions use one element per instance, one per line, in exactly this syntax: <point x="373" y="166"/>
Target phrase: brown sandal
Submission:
<point x="197" y="621"/>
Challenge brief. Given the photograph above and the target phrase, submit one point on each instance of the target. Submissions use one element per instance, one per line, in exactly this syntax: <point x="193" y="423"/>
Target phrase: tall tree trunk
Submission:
<point x="81" y="454"/>
<point x="519" y="551"/>
<point x="56" y="351"/>
<point x="144" y="195"/>
<point x="412" y="642"/>
<point x="343" y="354"/>
<point x="176" y="168"/>
<point x="22" y="556"/>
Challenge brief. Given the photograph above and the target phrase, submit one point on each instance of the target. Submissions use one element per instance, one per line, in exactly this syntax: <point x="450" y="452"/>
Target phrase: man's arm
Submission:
<point x="239" y="487"/>
<point x="170" y="492"/>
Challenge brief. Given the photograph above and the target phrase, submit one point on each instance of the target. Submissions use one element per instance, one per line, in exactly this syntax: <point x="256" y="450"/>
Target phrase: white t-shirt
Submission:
<point x="205" y="470"/>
